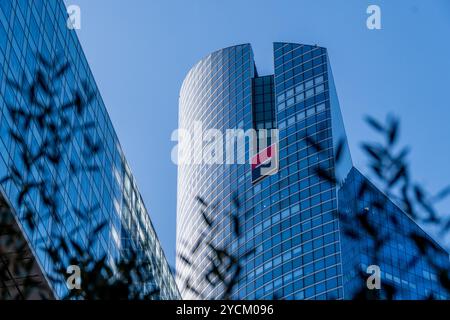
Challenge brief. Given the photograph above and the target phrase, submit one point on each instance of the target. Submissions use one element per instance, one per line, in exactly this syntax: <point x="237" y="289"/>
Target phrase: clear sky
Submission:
<point x="141" y="50"/>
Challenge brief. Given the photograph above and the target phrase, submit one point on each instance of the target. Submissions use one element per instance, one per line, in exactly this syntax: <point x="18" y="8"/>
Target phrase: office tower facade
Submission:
<point x="289" y="218"/>
<point x="34" y="27"/>
<point x="404" y="267"/>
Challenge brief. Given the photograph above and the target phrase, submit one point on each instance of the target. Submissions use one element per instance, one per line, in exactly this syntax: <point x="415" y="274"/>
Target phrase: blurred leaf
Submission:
<point x="235" y="201"/>
<point x="185" y="259"/>
<point x="325" y="175"/>
<point x="393" y="131"/>
<point x="206" y="219"/>
<point x="375" y="152"/>
<point x="339" y="150"/>
<point x="62" y="70"/>
<point x="201" y="200"/>
<point x="79" y="250"/>
<point x="444" y="193"/>
<point x="401" y="173"/>
<point x="374" y="124"/>
<point x="312" y="143"/>
<point x="236" y="226"/>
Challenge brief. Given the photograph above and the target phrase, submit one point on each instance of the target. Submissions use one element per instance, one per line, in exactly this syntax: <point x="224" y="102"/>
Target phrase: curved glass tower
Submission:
<point x="289" y="218"/>
<point x="224" y="91"/>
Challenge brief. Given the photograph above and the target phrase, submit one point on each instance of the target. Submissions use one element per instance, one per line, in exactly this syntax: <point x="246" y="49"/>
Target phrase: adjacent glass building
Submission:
<point x="290" y="218"/>
<point x="28" y="28"/>
<point x="403" y="266"/>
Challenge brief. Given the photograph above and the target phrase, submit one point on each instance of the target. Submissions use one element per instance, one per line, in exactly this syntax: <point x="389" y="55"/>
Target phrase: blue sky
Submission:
<point x="141" y="50"/>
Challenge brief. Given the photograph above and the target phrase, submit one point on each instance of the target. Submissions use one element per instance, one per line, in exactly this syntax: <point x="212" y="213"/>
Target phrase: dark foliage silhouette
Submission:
<point x="42" y="170"/>
<point x="224" y="267"/>
<point x="389" y="167"/>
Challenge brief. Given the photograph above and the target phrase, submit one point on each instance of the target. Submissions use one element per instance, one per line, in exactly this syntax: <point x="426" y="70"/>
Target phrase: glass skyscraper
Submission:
<point x="29" y="28"/>
<point x="289" y="218"/>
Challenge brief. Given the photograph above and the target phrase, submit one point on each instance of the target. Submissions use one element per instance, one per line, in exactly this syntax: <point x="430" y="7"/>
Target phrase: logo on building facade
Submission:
<point x="265" y="163"/>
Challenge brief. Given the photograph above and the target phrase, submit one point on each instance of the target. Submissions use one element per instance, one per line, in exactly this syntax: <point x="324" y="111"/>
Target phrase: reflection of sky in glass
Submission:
<point x="141" y="53"/>
<point x="39" y="27"/>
